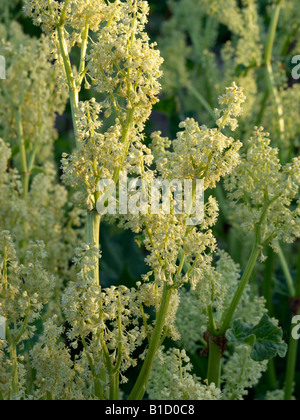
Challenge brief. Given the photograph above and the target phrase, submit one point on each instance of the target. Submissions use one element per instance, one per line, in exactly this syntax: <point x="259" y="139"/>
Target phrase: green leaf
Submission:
<point x="265" y="338"/>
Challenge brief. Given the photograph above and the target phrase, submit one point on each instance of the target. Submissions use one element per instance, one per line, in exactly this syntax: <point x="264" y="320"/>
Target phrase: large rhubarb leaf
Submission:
<point x="265" y="338"/>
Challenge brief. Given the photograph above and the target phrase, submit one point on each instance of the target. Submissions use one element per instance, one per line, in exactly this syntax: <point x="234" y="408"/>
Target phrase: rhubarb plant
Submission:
<point x="69" y="334"/>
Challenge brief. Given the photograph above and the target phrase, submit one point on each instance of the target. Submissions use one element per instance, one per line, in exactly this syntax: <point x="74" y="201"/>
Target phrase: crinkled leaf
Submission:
<point x="265" y="338"/>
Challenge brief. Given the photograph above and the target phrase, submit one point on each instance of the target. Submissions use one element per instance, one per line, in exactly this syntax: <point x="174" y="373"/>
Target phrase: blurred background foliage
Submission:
<point x="123" y="259"/>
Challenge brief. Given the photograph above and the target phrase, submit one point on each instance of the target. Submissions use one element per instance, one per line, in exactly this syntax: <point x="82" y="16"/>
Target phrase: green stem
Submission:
<point x="269" y="70"/>
<point x="14" y="361"/>
<point x="98" y="388"/>
<point x="114" y="387"/>
<point x="239" y="293"/>
<point x="64" y="12"/>
<point x="24" y="167"/>
<point x="263" y="108"/>
<point x="214" y="364"/>
<point x="272" y="32"/>
<point x="279" y="106"/>
<point x="287" y="273"/>
<point x="126" y="140"/>
<point x="14" y="368"/>
<point x="202" y="101"/>
<point x="73" y="90"/>
<point x="291" y="368"/>
<point x="84" y="44"/>
<point x="271" y="375"/>
<point x="93" y="237"/>
<point x="212" y="324"/>
<point x="140" y="386"/>
<point x="293" y="350"/>
<point x="268" y="291"/>
<point x="268" y="283"/>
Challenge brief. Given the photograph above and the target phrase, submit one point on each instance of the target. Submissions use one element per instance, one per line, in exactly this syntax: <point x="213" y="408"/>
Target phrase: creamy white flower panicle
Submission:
<point x="191" y="321"/>
<point x="52" y="363"/>
<point x="171" y="379"/>
<point x="125" y="69"/>
<point x="241" y="373"/>
<point x="216" y="287"/>
<point x="232" y="100"/>
<point x="27" y="94"/>
<point x="5" y="371"/>
<point x="28" y="222"/>
<point x="47" y="13"/>
<point x="124" y="64"/>
<point x="264" y="193"/>
<point x="24" y="288"/>
<point x="108" y="319"/>
<point x="199" y="152"/>
<point x="277" y="395"/>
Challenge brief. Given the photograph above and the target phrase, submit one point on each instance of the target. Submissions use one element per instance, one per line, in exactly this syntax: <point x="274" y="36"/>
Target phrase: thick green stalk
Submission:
<point x="271" y="375"/>
<point x="293" y="348"/>
<point x="291" y="368"/>
<point x="93" y="237"/>
<point x="268" y="291"/>
<point x="140" y="386"/>
<point x="215" y="353"/>
<point x="268" y="283"/>
<point x="114" y="387"/>
<point x="239" y="293"/>
<point x="93" y="218"/>
<point x="214" y="364"/>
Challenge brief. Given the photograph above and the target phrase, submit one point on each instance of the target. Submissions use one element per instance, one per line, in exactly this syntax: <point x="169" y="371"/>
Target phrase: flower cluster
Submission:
<point x="197" y="153"/>
<point x="171" y="379"/>
<point x="192" y="292"/>
<point x="124" y="68"/>
<point x="28" y="111"/>
<point x="110" y="316"/>
<point x="233" y="100"/>
<point x="25" y="288"/>
<point x="52" y="363"/>
<point x="264" y="193"/>
<point x="241" y="373"/>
